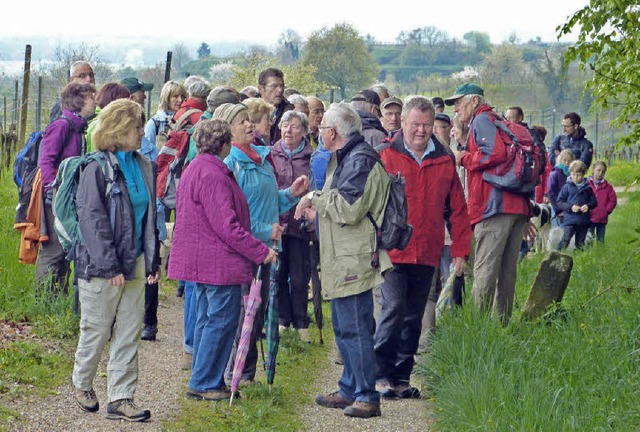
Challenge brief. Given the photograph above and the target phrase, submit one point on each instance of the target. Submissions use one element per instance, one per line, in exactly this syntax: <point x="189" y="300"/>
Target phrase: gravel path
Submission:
<point x="160" y="389"/>
<point x="402" y="415"/>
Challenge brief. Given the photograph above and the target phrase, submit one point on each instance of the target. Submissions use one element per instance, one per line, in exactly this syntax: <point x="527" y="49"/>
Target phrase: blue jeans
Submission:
<point x="599" y="230"/>
<point x="189" y="315"/>
<point x="353" y="326"/>
<point x="216" y="324"/>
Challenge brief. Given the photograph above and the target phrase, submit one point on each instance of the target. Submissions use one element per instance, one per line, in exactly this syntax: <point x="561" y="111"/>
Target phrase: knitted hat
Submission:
<point x="228" y="111"/>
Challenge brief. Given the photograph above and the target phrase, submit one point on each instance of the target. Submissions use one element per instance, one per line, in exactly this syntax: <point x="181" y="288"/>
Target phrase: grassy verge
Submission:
<point x="577" y="370"/>
<point x="261" y="409"/>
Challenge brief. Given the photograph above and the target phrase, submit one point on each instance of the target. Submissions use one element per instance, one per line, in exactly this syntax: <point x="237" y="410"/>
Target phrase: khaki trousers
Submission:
<point x="498" y="241"/>
<point x="115" y="313"/>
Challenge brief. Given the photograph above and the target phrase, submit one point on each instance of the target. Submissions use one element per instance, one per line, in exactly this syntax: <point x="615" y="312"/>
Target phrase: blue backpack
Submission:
<point x="25" y="167"/>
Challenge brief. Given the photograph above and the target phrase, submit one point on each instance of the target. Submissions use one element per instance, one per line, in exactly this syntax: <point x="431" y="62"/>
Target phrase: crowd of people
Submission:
<point x="272" y="174"/>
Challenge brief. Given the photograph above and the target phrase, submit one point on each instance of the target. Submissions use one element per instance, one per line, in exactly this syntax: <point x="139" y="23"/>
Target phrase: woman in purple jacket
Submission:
<point x="62" y="138"/>
<point x="213" y="246"/>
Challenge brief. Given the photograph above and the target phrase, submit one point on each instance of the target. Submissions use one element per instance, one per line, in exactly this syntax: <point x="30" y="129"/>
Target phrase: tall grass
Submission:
<point x="578" y="369"/>
<point x="19" y="300"/>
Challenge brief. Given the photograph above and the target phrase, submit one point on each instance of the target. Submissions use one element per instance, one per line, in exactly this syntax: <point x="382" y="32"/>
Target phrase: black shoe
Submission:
<point x="125" y="409"/>
<point x="407" y="392"/>
<point x="180" y="291"/>
<point x="149" y="333"/>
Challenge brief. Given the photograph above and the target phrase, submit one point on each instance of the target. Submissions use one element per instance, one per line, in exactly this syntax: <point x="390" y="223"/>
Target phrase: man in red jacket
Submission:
<point x="498" y="217"/>
<point x="433" y="189"/>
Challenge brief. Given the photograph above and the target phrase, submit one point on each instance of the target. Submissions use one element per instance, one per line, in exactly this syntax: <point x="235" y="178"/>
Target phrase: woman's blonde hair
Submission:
<point x="258" y="108"/>
<point x="170" y="88"/>
<point x="565" y="157"/>
<point x="115" y="122"/>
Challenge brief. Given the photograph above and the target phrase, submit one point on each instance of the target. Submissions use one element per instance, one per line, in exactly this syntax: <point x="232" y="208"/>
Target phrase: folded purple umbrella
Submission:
<point x="251" y="305"/>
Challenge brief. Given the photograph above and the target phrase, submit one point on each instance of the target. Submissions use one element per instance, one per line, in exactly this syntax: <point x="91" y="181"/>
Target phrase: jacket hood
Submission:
<point x="369" y="121"/>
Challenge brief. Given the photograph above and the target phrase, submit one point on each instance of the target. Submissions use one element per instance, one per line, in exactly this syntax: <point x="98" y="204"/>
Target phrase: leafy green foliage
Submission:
<point x="608" y="45"/>
<point x="341" y="58"/>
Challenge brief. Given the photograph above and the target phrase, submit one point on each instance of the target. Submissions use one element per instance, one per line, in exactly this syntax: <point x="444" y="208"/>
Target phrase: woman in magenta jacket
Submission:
<point x="213" y="247"/>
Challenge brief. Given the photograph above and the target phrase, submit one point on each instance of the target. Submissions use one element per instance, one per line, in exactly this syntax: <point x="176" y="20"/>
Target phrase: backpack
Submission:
<point x="171" y="163"/>
<point x="525" y="162"/>
<point x="394" y="232"/>
<point x="66" y="222"/>
<point x="182" y="123"/>
<point x="25" y="166"/>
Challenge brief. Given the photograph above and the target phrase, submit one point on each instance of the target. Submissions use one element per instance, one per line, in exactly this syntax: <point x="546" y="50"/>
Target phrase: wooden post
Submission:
<point x="549" y="286"/>
<point x="26" y="78"/>
<point x="39" y="105"/>
<point x="167" y="67"/>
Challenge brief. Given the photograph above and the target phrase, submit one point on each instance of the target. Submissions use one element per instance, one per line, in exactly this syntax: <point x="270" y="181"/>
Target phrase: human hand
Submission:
<point x="305" y="203"/>
<point x="117" y="280"/>
<point x="575" y="208"/>
<point x="299" y="186"/>
<point x="276" y="232"/>
<point x="584" y="208"/>
<point x="271" y="256"/>
<point x="458" y="265"/>
<point x="459" y="155"/>
<point x="546" y="200"/>
<point x="151" y="279"/>
<point x="530" y="231"/>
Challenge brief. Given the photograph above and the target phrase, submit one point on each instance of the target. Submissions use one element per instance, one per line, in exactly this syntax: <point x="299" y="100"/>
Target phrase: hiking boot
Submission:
<point x="405" y="391"/>
<point x="87" y="400"/>
<point x="386" y="389"/>
<point x="187" y="360"/>
<point x="304" y="335"/>
<point x="333" y="400"/>
<point x="149" y="333"/>
<point x="180" y="291"/>
<point x="363" y="410"/>
<point x="212" y="395"/>
<point x="125" y="409"/>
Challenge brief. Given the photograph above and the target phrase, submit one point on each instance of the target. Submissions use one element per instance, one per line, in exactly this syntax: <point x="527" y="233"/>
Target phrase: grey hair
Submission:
<point x="419" y="103"/>
<point x="361" y="105"/>
<point x="295" y="114"/>
<point x="191" y="79"/>
<point x="199" y="89"/>
<point x="481" y="99"/>
<point x="344" y="118"/>
<point x="251" y="91"/>
<point x="298" y="99"/>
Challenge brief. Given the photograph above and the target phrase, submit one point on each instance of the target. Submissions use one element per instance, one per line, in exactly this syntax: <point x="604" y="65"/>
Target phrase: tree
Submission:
<point x="340" y="58"/>
<point x="550" y="70"/>
<point x="479" y="40"/>
<point x="204" y="50"/>
<point x="503" y="65"/>
<point x="180" y="56"/>
<point x="249" y="66"/>
<point x="429" y="36"/>
<point x="290" y="45"/>
<point x="608" y="45"/>
<point x="65" y="56"/>
<point x="220" y="74"/>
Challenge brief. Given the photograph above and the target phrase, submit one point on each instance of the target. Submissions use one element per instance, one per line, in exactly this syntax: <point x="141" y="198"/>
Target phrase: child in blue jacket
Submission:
<point x="576" y="199"/>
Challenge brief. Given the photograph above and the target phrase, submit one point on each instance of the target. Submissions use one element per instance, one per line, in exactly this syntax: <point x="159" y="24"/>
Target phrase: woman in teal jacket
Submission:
<point x="254" y="172"/>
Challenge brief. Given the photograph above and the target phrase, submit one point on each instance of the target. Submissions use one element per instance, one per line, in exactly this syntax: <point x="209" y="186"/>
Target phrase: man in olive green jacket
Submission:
<point x="356" y="185"/>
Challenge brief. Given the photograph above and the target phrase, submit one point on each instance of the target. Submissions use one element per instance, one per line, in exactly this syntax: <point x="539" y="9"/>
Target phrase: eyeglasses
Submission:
<point x="85" y="75"/>
<point x="294" y="127"/>
<point x="275" y="86"/>
<point x="419" y="125"/>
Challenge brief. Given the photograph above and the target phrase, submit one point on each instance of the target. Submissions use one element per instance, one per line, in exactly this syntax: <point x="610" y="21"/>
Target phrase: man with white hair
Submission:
<point x="356" y="186"/>
<point x="80" y="71"/>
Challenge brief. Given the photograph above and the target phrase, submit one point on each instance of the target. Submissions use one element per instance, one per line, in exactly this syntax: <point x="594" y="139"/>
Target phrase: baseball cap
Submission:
<point x="135" y="85"/>
<point x="437" y="102"/>
<point x="391" y="101"/>
<point x="463" y="90"/>
<point x="367" y="96"/>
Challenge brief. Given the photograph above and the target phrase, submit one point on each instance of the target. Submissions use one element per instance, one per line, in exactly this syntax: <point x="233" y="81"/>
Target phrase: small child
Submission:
<point x="606" y="197"/>
<point x="575" y="200"/>
<point x="556" y="180"/>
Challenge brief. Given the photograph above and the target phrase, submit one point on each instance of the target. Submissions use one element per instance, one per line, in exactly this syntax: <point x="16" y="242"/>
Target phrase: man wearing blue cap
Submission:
<point x="498" y="217"/>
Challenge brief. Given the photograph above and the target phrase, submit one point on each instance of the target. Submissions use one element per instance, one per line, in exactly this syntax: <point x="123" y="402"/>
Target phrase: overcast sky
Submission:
<point x="263" y="21"/>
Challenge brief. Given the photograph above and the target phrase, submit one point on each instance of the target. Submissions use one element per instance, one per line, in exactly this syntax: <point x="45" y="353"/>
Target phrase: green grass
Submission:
<point x="576" y="370"/>
<point x="261" y="409"/>
<point x="623" y="174"/>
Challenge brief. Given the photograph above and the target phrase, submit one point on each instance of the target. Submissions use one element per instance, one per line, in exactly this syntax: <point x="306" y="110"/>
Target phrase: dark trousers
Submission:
<point x="52" y="269"/>
<point x="403" y="297"/>
<point x="580" y="231"/>
<point x="249" y="371"/>
<point x="151" y="304"/>
<point x="599" y="230"/>
<point x="293" y="282"/>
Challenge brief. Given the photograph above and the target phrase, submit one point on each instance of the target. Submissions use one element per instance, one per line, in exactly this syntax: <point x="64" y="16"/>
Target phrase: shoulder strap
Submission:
<point x="183" y="118"/>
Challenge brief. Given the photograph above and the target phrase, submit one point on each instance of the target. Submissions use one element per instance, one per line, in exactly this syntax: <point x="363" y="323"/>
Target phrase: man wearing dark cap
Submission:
<point x="391" y="108"/>
<point x="367" y="104"/>
<point x="137" y="89"/>
<point x="438" y="103"/>
<point x="498" y="217"/>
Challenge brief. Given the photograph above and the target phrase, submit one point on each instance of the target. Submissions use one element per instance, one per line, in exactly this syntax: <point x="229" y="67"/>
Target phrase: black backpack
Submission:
<point x="394" y="232"/>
